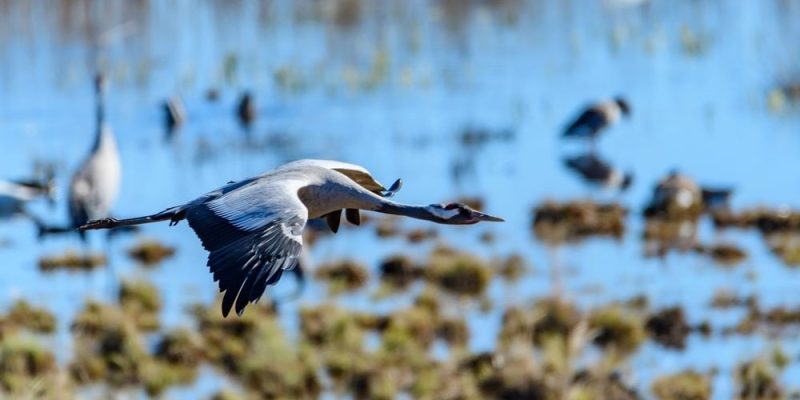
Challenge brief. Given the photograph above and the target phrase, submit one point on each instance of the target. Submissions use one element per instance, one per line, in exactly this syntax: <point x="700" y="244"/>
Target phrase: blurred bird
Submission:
<point x="95" y="184"/>
<point x="253" y="228"/>
<point x="597" y="171"/>
<point x="14" y="195"/>
<point x="174" y="113"/>
<point x="677" y="193"/>
<point x="596" y="118"/>
<point x="246" y="110"/>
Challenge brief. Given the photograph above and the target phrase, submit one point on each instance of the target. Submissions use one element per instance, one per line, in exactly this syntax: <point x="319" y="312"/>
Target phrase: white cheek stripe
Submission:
<point x="442" y="213"/>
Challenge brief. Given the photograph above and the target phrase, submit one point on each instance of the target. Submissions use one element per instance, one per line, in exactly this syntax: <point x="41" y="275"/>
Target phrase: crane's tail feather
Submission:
<point x="174" y="215"/>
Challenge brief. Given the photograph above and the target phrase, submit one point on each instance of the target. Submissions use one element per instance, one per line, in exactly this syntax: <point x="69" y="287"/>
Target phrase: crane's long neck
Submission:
<point x="419" y="212"/>
<point x="100" y="114"/>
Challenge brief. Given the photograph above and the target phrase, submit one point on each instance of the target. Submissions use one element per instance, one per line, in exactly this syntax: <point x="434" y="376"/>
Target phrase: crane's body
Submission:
<point x="95" y="185"/>
<point x="597" y="117"/>
<point x="253" y="228"/>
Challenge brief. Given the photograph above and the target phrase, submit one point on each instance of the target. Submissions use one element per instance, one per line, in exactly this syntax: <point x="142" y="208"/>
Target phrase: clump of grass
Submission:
<point x="151" y="252"/>
<point x="114" y="354"/>
<point x="399" y="271"/>
<point x="343" y="276"/>
<point x="687" y="385"/>
<point x="226" y="340"/>
<point x="513" y="267"/>
<point x="227" y="394"/>
<point x="757" y="380"/>
<point x="600" y="385"/>
<point x="454" y="331"/>
<point x="617" y="329"/>
<point x="547" y="319"/>
<point x="723" y="253"/>
<point x="668" y="327"/>
<point x="71" y="260"/>
<point x="35" y="319"/>
<point x="388" y="227"/>
<point x="420" y="235"/>
<point x="458" y="272"/>
<point x="23" y="362"/>
<point x="725" y="299"/>
<point x="576" y="220"/>
<point x="180" y="348"/>
<point x="274" y="368"/>
<point x="141" y="301"/>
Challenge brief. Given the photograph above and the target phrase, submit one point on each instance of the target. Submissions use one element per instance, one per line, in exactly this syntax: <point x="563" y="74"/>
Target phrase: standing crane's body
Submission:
<point x="253" y="228"/>
<point x="597" y="117"/>
<point x="95" y="185"/>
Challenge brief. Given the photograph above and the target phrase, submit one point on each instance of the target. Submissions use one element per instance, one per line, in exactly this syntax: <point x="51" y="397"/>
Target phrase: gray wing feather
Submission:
<point x="251" y="239"/>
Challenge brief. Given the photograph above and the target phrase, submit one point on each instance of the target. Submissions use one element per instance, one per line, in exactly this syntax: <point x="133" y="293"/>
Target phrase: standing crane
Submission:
<point x="596" y="118"/>
<point x="253" y="228"/>
<point x="95" y="185"/>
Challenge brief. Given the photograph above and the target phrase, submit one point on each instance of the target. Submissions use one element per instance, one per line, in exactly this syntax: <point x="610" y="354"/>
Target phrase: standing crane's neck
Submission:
<point x="102" y="128"/>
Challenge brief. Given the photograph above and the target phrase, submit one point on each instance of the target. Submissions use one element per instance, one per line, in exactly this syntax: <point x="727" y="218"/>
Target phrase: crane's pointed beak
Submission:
<point x="486" y="217"/>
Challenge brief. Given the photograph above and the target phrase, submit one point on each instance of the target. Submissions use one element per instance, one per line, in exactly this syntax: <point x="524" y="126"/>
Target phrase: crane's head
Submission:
<point x="624" y="107"/>
<point x="459" y="214"/>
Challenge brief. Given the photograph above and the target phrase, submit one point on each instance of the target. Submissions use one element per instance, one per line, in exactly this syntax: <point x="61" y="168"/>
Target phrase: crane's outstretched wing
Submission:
<point x="355" y="172"/>
<point x="253" y="234"/>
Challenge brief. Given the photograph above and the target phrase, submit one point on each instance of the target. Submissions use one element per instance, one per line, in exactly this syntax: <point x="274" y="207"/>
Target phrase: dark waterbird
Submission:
<point x="597" y="171"/>
<point x="253" y="228"/>
<point x="597" y="117"/>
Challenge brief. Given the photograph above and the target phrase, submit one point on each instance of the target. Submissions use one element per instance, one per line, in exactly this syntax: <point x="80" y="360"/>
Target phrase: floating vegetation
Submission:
<point x="458" y="272"/>
<point x="617" y="328"/>
<point x="577" y="220"/>
<point x="71" y="260"/>
<point x="454" y="331"/>
<point x="513" y="267"/>
<point x="181" y="347"/>
<point x="668" y="327"/>
<point x="548" y="318"/>
<point x="388" y="227"/>
<point x="343" y="276"/>
<point x="399" y="271"/>
<point x="23" y="315"/>
<point x="114" y="354"/>
<point x="758" y="380"/>
<point x="724" y="298"/>
<point x="687" y="385"/>
<point x="226" y="339"/>
<point x="766" y="220"/>
<point x="420" y="235"/>
<point x="662" y="236"/>
<point x="151" y="252"/>
<point x="785" y="246"/>
<point x="141" y="301"/>
<point x="723" y="253"/>
<point x="27" y="369"/>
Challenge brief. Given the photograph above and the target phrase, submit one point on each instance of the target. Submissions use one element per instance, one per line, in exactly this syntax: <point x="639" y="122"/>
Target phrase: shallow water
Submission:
<point x="393" y="92"/>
